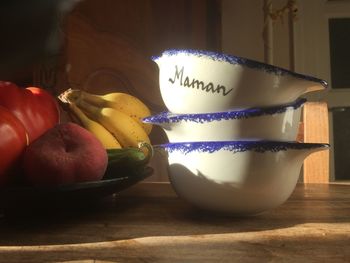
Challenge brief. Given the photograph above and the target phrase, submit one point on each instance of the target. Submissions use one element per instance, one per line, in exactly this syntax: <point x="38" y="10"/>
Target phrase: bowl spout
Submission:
<point x="308" y="149"/>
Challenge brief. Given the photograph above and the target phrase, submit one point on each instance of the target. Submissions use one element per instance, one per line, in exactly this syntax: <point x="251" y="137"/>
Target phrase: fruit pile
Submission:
<point x="115" y="119"/>
<point x="106" y="137"/>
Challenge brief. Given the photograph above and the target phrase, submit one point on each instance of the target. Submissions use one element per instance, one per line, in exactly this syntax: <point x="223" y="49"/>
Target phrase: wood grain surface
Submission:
<point x="149" y="223"/>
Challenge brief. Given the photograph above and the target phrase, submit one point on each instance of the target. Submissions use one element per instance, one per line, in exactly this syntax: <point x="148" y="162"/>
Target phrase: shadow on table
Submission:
<point x="123" y="218"/>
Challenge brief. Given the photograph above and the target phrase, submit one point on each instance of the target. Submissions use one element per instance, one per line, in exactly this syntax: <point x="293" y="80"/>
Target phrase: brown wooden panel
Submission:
<point x="316" y="129"/>
<point x="109" y="43"/>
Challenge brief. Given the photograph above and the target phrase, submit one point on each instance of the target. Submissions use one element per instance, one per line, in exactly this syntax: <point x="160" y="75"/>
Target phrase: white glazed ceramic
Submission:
<point x="241" y="178"/>
<point x="195" y="81"/>
<point x="274" y="123"/>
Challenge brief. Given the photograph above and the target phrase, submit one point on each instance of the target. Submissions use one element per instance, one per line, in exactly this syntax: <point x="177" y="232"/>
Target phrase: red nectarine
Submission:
<point x="65" y="154"/>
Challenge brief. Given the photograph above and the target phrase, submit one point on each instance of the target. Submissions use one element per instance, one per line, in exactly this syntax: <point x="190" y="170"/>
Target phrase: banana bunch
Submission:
<point x="114" y="118"/>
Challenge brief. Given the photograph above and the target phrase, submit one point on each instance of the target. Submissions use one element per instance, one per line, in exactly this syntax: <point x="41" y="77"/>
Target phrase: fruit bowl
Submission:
<point x="236" y="177"/>
<point x="273" y="123"/>
<point x="198" y="81"/>
<point x="16" y="197"/>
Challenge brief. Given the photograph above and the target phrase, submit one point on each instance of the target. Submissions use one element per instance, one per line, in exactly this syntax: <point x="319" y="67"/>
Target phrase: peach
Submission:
<point x="65" y="154"/>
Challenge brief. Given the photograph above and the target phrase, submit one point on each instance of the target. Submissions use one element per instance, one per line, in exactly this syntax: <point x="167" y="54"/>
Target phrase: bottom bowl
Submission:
<point x="236" y="177"/>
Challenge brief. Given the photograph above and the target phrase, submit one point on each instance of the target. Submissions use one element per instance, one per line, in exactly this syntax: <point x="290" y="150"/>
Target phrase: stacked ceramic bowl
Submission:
<point x="232" y="125"/>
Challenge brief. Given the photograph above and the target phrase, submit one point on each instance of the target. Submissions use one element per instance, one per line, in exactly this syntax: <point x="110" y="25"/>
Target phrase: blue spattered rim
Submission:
<point x="216" y="56"/>
<point x="168" y="117"/>
<point x="239" y="146"/>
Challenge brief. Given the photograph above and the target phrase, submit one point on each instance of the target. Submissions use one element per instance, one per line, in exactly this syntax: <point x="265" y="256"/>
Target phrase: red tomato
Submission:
<point x="13" y="141"/>
<point x="36" y="108"/>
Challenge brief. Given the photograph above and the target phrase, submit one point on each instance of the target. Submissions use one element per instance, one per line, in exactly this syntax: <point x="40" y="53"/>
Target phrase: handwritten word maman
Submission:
<point x="185" y="81"/>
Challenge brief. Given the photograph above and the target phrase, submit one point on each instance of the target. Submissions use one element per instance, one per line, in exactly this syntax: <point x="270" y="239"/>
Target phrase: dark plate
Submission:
<point x="24" y="196"/>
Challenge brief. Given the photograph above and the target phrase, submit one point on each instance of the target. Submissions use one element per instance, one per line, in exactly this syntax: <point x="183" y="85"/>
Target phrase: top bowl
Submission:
<point x="196" y="81"/>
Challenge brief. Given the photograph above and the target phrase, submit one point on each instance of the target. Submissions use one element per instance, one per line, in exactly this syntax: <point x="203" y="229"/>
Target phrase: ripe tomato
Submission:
<point x="36" y="108"/>
<point x="13" y="142"/>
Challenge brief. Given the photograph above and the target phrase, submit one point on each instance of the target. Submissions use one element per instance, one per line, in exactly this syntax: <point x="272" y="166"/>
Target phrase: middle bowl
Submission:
<point x="278" y="123"/>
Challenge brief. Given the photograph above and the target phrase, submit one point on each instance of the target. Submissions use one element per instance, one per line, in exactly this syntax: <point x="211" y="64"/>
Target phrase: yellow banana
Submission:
<point x="101" y="133"/>
<point x="123" y="102"/>
<point x="127" y="131"/>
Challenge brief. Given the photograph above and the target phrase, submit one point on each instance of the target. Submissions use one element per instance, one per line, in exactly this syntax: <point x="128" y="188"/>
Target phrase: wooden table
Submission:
<point x="148" y="223"/>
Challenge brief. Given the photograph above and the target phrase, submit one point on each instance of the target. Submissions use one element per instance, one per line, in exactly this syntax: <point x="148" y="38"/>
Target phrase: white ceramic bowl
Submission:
<point x="274" y="123"/>
<point x="239" y="178"/>
<point x="195" y="81"/>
